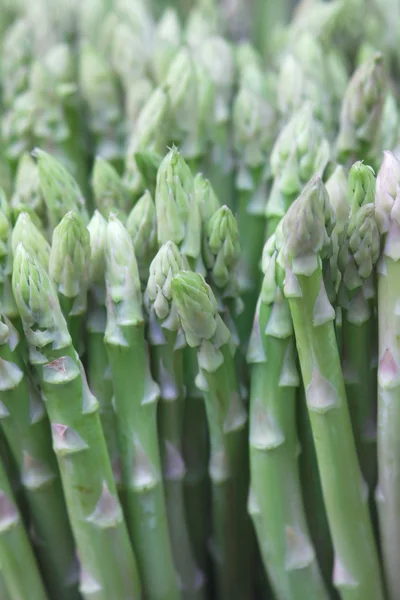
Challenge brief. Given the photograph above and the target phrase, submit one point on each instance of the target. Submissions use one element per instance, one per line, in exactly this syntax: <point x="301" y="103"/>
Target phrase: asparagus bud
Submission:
<point x="123" y="283"/>
<point x="206" y="198"/>
<point x="197" y="309"/>
<point x="300" y="152"/>
<point x="307" y="227"/>
<point x="167" y="263"/>
<point x="69" y="260"/>
<point x="142" y="227"/>
<point x="26" y="232"/>
<point x="37" y="303"/>
<point x="362" y="107"/>
<point x="361" y="185"/>
<point x="60" y="190"/>
<point x="109" y="192"/>
<point x="178" y="216"/>
<point x="221" y="246"/>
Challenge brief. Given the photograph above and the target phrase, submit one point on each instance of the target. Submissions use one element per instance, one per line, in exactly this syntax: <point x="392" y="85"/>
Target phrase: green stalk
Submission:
<point x="18" y="565"/>
<point x="179" y="219"/>
<point x="196" y="456"/>
<point x="28" y="435"/>
<point x="97" y="364"/>
<point x="205" y="331"/>
<point x="290" y="559"/>
<point x="358" y="255"/>
<point x="312" y="490"/>
<point x="254" y="132"/>
<point x="167" y="359"/>
<point x="304" y="239"/>
<point x="107" y="564"/>
<point x="4" y="595"/>
<point x="252" y="224"/>
<point x="135" y="397"/>
<point x="388" y="491"/>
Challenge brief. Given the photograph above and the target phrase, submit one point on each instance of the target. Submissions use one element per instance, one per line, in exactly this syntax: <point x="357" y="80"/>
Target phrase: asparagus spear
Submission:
<point x="18" y="565"/>
<point x="290" y="558"/>
<point x="191" y="97"/>
<point x="304" y="241"/>
<point x="98" y="368"/>
<point x="142" y="227"/>
<point x="179" y="202"/>
<point x="216" y="55"/>
<point x="361" y="112"/>
<point x="27" y="432"/>
<point x="60" y="191"/>
<point x="388" y="491"/>
<point x="69" y="270"/>
<point x="253" y="134"/>
<point x="166" y="43"/>
<point x="178" y="214"/>
<point x="135" y="397"/>
<point x="26" y="232"/>
<point x="107" y="564"/>
<point x="7" y="300"/>
<point x="109" y="191"/>
<point x="227" y="418"/>
<point x="99" y="88"/>
<point x="27" y="195"/>
<point x="300" y="152"/>
<point x="150" y="133"/>
<point x="357" y="257"/>
<point x="167" y="358"/>
<point x="56" y="123"/>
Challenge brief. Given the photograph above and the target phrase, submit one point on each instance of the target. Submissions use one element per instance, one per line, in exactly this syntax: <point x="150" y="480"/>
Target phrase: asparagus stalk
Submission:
<point x="227" y="418"/>
<point x="181" y="206"/>
<point x="167" y="358"/>
<point x="27" y="432"/>
<point x="290" y="559"/>
<point x="216" y="55"/>
<point x="107" y="564"/>
<point x="98" y="368"/>
<point x="18" y="565"/>
<point x="388" y="491"/>
<point x="135" y="397"/>
<point x="4" y="595"/>
<point x="303" y="243"/>
<point x="357" y="257"/>
<point x="253" y="134"/>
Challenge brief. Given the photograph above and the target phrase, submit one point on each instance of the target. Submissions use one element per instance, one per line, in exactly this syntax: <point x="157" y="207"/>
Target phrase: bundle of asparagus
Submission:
<point x="199" y="357"/>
